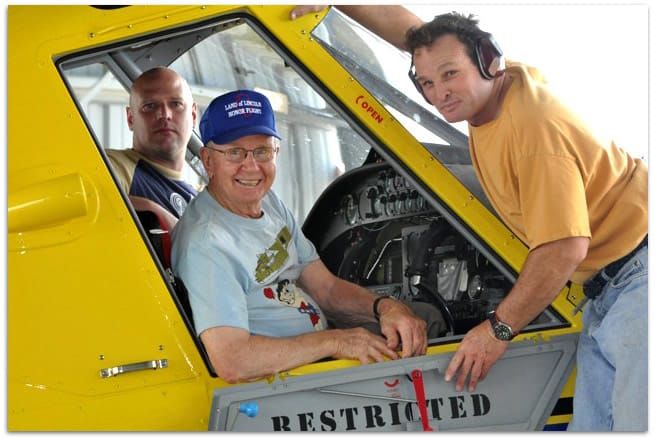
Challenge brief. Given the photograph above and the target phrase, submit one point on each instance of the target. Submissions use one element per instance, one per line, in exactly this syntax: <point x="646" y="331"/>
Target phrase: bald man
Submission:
<point x="161" y="115"/>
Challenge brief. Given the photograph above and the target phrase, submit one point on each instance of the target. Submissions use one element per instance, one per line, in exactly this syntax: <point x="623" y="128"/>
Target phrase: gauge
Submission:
<point x="475" y="287"/>
<point x="420" y="203"/>
<point x="376" y="204"/>
<point x="400" y="203"/>
<point x="390" y="206"/>
<point x="408" y="184"/>
<point x="349" y="209"/>
<point x="410" y="203"/>
<point x="387" y="179"/>
<point x="365" y="204"/>
<point x="398" y="182"/>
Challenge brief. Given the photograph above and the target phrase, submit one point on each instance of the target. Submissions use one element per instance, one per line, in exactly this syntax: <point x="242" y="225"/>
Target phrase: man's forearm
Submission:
<point x="349" y="303"/>
<point x="262" y="356"/>
<point x="238" y="356"/>
<point x="546" y="271"/>
<point x="391" y="22"/>
<point x="335" y="296"/>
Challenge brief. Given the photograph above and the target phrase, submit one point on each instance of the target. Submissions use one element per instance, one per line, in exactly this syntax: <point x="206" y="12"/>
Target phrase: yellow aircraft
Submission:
<point x="98" y="336"/>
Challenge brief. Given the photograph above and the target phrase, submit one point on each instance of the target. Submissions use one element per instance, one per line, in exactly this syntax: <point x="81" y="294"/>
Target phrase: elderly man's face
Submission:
<point x="240" y="186"/>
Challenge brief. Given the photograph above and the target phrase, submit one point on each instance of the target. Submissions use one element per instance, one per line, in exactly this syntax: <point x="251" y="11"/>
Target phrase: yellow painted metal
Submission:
<point x="83" y="291"/>
<point x="47" y="203"/>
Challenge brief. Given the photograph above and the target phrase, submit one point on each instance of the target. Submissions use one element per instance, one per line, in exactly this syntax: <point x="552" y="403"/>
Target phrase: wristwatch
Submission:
<point x="502" y="331"/>
<point x="376" y="302"/>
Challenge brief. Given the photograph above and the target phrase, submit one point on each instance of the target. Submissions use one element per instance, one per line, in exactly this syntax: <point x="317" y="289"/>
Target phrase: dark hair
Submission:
<point x="465" y="28"/>
<point x="280" y="286"/>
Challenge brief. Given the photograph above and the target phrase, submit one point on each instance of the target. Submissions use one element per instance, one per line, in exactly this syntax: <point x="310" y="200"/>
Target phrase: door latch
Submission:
<point x="134" y="367"/>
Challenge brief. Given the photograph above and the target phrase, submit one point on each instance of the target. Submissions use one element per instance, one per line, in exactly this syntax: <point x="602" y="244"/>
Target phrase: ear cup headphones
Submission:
<point x="487" y="56"/>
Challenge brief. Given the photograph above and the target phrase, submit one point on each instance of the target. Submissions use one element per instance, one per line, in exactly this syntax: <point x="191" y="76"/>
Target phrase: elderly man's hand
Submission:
<point x="361" y="344"/>
<point x="400" y="325"/>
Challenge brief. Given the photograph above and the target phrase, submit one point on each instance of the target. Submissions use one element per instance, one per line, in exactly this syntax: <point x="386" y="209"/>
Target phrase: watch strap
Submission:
<point x="496" y="323"/>
<point x="376" y="302"/>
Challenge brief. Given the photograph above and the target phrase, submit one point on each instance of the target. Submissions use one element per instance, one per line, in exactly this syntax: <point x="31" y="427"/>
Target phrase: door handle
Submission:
<point x="134" y="367"/>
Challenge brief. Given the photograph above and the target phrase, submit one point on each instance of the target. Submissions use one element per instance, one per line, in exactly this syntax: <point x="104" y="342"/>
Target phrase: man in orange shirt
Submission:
<point x="580" y="205"/>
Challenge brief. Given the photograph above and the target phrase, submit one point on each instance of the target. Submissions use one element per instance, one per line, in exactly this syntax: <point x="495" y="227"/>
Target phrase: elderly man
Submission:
<point x="259" y="293"/>
<point x="161" y="115"/>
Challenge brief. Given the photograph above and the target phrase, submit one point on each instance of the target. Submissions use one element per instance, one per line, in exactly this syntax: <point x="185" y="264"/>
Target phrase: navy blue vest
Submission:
<point x="171" y="194"/>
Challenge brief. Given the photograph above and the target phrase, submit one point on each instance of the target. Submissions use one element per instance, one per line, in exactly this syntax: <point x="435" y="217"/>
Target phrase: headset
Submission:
<point x="488" y="59"/>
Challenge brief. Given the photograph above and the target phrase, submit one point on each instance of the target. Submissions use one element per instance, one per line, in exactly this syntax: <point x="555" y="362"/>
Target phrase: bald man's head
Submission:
<point x="161" y="115"/>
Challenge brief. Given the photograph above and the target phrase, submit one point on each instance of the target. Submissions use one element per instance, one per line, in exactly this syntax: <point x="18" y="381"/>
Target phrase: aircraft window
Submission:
<point x="103" y="99"/>
<point x="318" y="145"/>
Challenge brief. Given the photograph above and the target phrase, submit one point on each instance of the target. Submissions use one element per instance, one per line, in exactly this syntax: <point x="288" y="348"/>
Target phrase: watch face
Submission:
<point x="502" y="332"/>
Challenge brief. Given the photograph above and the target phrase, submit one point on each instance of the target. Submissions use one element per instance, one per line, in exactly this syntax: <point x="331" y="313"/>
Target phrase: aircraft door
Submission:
<point x="404" y="395"/>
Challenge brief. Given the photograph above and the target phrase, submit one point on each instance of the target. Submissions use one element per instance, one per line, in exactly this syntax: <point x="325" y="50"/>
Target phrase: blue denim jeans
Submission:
<point x="611" y="388"/>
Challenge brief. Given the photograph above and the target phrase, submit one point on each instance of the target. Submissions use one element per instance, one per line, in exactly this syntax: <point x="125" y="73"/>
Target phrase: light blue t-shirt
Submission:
<point x="242" y="272"/>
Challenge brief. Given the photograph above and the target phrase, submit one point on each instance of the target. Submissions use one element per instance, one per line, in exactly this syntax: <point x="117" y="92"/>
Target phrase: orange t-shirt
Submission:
<point x="549" y="177"/>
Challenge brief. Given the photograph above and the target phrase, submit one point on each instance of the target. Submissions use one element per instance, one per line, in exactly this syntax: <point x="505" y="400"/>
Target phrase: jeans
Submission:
<point x="611" y="388"/>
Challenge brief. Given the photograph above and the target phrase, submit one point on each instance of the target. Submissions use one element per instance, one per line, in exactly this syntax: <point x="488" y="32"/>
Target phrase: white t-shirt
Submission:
<point x="242" y="272"/>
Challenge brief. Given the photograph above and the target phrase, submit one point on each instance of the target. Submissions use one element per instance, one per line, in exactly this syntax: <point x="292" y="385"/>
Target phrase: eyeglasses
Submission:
<point x="239" y="154"/>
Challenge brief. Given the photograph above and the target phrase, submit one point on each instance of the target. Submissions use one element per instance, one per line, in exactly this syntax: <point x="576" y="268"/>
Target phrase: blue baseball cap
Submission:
<point x="236" y="114"/>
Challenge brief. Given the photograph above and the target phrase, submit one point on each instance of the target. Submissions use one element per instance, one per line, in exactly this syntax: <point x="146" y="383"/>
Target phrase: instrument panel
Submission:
<point x="391" y="196"/>
<point x="372" y="198"/>
<point x="373" y="227"/>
